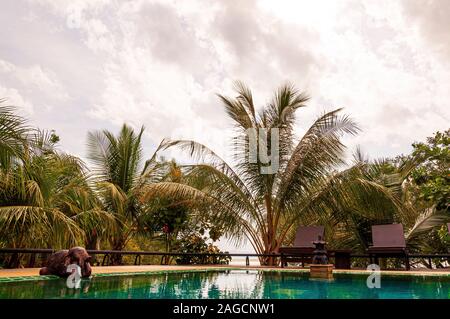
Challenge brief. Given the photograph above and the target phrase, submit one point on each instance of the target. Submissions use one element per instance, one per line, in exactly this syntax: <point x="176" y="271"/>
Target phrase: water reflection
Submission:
<point x="232" y="284"/>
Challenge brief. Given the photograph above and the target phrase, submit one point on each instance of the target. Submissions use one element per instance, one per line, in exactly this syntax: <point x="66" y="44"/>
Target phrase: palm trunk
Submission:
<point x="166" y="259"/>
<point x="93" y="243"/>
<point x="117" y="259"/>
<point x="270" y="247"/>
<point x="14" y="261"/>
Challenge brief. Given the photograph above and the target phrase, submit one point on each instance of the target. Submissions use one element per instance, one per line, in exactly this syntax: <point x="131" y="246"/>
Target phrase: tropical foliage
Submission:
<point x="308" y="187"/>
<point x="431" y="172"/>
<point x="44" y="197"/>
<point x="50" y="199"/>
<point x="197" y="244"/>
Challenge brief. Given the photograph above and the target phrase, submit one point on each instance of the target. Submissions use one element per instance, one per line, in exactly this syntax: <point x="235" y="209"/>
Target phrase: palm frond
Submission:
<point x="429" y="219"/>
<point x="13" y="132"/>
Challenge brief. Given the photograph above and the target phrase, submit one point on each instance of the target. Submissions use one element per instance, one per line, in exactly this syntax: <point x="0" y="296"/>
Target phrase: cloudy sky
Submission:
<point x="75" y="66"/>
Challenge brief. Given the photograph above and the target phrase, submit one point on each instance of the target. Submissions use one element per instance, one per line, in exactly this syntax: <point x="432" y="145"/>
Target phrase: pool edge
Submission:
<point x="215" y="268"/>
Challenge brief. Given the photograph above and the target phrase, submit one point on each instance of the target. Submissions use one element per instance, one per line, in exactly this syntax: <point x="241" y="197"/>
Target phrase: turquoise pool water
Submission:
<point x="232" y="284"/>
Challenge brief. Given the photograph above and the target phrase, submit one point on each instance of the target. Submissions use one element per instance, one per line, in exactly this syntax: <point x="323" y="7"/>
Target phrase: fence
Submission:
<point x="138" y="254"/>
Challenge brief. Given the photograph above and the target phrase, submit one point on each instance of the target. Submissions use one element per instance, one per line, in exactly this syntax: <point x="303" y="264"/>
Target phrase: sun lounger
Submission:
<point x="303" y="247"/>
<point x="388" y="241"/>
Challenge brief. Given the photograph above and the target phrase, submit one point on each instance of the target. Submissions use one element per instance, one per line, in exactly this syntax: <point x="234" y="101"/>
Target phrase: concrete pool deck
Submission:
<point x="32" y="272"/>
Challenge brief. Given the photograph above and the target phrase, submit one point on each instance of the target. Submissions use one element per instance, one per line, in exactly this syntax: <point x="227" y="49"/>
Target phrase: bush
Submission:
<point x="197" y="244"/>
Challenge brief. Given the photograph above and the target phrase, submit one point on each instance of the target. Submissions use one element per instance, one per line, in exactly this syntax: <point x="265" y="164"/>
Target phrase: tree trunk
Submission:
<point x="271" y="242"/>
<point x="14" y="261"/>
<point x="117" y="259"/>
<point x="269" y="250"/>
<point x="93" y="244"/>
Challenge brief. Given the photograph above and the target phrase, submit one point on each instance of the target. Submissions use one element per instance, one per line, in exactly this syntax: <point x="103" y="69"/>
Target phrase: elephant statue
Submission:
<point x="57" y="263"/>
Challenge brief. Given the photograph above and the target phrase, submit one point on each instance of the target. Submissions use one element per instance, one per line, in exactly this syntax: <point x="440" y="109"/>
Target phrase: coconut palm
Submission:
<point x="354" y="223"/>
<point x="265" y="208"/>
<point x="119" y="175"/>
<point x="45" y="200"/>
<point x="419" y="217"/>
<point x="37" y="206"/>
<point x="27" y="216"/>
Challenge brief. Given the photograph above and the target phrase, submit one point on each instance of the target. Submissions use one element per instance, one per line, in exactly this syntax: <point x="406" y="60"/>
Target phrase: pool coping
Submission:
<point x="111" y="271"/>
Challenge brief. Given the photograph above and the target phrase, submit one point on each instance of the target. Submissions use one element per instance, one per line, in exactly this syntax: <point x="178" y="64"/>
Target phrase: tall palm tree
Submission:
<point x="119" y="175"/>
<point x="265" y="208"/>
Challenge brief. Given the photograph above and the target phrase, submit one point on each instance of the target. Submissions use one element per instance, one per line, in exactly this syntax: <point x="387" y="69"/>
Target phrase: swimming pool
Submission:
<point x="224" y="284"/>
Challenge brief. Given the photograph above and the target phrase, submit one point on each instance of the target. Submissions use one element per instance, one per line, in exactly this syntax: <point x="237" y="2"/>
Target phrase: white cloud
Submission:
<point x="32" y="82"/>
<point x="12" y="96"/>
<point x="159" y="63"/>
<point x="430" y="19"/>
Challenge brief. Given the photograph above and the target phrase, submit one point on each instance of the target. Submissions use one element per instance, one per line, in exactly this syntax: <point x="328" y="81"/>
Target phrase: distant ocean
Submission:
<point x="240" y="261"/>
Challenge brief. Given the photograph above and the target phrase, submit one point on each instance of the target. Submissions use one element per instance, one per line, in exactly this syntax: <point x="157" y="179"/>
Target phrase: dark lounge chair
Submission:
<point x="388" y="241"/>
<point x="303" y="247"/>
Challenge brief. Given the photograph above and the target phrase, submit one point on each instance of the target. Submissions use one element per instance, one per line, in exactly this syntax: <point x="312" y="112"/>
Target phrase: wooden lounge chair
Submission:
<point x="388" y="241"/>
<point x="303" y="247"/>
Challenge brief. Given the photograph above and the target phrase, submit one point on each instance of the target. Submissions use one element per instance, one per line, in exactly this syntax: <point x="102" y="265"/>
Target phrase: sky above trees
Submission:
<point x="80" y="65"/>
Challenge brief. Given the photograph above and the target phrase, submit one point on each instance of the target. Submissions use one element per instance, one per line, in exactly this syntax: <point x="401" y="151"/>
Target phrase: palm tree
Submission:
<point x="37" y="206"/>
<point x="23" y="217"/>
<point x="352" y="220"/>
<point x="260" y="205"/>
<point x="266" y="208"/>
<point x="119" y="176"/>
<point x="45" y="200"/>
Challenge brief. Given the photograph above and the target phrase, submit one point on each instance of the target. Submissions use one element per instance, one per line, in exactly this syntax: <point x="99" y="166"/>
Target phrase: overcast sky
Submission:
<point x="76" y="66"/>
